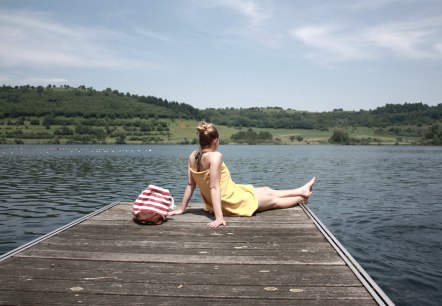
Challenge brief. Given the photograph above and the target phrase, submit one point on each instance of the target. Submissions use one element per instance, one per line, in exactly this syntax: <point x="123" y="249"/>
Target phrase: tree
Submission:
<point x="339" y="137"/>
<point x="120" y="135"/>
<point x="251" y="137"/>
<point x="64" y="130"/>
<point x="433" y="136"/>
<point x="40" y="89"/>
<point x="265" y="136"/>
<point x="48" y="120"/>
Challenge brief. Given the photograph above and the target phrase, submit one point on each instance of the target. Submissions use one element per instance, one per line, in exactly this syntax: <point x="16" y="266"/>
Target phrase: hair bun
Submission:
<point x="207" y="132"/>
<point x="203" y="127"/>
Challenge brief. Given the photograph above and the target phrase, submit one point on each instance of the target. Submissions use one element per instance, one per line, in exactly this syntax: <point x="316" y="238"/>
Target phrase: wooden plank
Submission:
<point x="195" y="259"/>
<point x="334" y="276"/>
<point x="188" y="290"/>
<point x="148" y="243"/>
<point x="79" y="298"/>
<point x="303" y="255"/>
<point x="239" y="250"/>
<point x="278" y="257"/>
<point x="35" y="263"/>
<point x="130" y="230"/>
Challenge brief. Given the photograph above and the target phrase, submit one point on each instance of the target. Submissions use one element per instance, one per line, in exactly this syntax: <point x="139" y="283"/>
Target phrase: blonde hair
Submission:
<point x="207" y="132"/>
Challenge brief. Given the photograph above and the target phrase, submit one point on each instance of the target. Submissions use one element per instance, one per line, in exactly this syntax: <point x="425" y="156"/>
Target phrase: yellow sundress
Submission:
<point x="236" y="199"/>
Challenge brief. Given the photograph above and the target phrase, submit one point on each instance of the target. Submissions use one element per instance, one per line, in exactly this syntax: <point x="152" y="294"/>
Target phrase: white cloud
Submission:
<point x="338" y="44"/>
<point x="29" y="38"/>
<point x="39" y="81"/>
<point x="372" y="4"/>
<point x="247" y="21"/>
<point x="407" y="40"/>
<point x="438" y="48"/>
<point x="339" y="35"/>
<point x="150" y="34"/>
<point x="254" y="11"/>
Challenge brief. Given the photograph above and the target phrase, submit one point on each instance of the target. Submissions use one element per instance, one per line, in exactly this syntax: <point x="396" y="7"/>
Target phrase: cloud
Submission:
<point x="335" y="43"/>
<point x="244" y="22"/>
<point x="38" y="81"/>
<point x="438" y="48"/>
<point x="254" y="11"/>
<point x="135" y="22"/>
<point x="406" y="40"/>
<point x="372" y="4"/>
<point x="32" y="38"/>
<point x="13" y="79"/>
<point x="150" y="34"/>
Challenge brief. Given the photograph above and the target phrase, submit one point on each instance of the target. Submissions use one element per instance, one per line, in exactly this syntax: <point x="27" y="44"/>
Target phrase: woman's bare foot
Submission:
<point x="307" y="189"/>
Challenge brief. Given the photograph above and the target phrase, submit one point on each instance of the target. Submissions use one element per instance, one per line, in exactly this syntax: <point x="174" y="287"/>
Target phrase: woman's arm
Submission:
<point x="188" y="192"/>
<point x="215" y="192"/>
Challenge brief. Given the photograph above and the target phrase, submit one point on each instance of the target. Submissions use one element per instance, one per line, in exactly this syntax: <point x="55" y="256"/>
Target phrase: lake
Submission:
<point x="384" y="203"/>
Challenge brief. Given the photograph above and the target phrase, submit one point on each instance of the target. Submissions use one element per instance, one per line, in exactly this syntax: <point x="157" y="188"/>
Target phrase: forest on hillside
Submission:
<point x="56" y="104"/>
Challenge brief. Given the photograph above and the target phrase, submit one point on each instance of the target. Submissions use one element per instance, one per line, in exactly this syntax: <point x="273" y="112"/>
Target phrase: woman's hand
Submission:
<point x="217" y="223"/>
<point x="177" y="211"/>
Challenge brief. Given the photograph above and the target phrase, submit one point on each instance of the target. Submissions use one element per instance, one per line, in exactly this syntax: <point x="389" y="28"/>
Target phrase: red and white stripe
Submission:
<point x="155" y="199"/>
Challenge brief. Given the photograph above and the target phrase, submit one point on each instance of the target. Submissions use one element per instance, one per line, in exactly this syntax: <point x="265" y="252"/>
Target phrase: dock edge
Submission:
<point x="55" y="232"/>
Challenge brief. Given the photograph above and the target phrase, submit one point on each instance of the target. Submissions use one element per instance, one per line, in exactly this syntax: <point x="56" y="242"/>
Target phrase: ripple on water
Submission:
<point x="382" y="203"/>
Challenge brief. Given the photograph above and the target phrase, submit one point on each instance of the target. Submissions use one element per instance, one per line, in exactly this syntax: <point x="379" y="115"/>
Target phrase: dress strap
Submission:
<point x="198" y="157"/>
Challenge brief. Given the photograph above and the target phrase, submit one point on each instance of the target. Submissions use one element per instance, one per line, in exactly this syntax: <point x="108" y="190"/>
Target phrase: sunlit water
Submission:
<point x="383" y="203"/>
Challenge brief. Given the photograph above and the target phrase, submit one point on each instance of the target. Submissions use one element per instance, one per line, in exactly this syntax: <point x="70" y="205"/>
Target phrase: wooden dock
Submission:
<point x="280" y="257"/>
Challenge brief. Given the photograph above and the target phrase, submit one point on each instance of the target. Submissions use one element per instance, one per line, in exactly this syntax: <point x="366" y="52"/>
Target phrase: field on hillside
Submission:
<point x="161" y="131"/>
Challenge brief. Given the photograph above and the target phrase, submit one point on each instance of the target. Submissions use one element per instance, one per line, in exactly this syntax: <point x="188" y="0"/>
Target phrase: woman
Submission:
<point x="221" y="195"/>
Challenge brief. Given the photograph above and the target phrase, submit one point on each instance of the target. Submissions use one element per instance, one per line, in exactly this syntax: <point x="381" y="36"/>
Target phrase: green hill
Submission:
<point x="86" y="102"/>
<point x="65" y="114"/>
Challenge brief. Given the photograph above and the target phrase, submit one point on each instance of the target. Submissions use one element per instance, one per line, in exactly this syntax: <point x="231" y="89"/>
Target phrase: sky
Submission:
<point x="310" y="55"/>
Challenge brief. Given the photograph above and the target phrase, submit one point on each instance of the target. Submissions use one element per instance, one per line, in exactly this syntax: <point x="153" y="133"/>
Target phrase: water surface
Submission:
<point x="383" y="203"/>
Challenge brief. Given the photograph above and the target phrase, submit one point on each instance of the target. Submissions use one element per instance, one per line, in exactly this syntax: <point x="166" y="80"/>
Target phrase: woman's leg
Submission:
<point x="273" y="199"/>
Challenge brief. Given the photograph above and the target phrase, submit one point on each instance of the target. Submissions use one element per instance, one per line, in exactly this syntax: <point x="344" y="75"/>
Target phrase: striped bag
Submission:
<point x="152" y="205"/>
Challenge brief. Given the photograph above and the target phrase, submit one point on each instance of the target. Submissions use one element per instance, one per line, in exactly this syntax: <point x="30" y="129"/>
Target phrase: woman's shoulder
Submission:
<point x="193" y="154"/>
<point x="207" y="157"/>
<point x="215" y="155"/>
